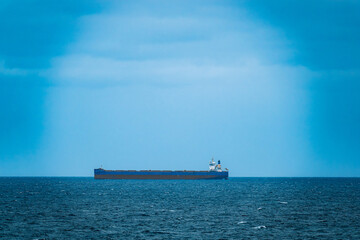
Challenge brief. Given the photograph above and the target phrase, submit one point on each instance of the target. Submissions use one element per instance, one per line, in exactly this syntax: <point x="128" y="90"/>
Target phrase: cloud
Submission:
<point x="205" y="46"/>
<point x="211" y="77"/>
<point x="13" y="71"/>
<point x="327" y="38"/>
<point x="32" y="32"/>
<point x="77" y="68"/>
<point x="185" y="79"/>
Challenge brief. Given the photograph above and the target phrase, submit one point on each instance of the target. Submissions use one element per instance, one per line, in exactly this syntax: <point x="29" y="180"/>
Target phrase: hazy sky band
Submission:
<point x="271" y="89"/>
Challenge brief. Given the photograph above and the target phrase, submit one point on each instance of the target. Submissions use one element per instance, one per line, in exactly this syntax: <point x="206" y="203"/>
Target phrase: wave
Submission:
<point x="242" y="222"/>
<point x="259" y="227"/>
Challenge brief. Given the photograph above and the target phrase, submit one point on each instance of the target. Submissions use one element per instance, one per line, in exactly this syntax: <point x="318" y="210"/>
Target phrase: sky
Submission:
<point x="271" y="88"/>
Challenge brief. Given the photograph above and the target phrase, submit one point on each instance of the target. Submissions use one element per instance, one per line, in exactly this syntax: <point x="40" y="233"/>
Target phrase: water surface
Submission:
<point x="238" y="208"/>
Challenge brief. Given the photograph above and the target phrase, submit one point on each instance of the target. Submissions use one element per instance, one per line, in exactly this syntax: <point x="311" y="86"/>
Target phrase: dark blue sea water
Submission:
<point x="239" y="208"/>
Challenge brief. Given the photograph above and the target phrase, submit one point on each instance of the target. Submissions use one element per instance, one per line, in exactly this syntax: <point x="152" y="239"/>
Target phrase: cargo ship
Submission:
<point x="215" y="172"/>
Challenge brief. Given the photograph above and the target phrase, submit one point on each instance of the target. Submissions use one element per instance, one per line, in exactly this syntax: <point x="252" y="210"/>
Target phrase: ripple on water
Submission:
<point x="240" y="208"/>
<point x="241" y="222"/>
<point x="259" y="227"/>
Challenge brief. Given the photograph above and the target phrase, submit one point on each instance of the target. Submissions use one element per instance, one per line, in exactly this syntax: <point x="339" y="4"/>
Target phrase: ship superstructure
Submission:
<point x="213" y="167"/>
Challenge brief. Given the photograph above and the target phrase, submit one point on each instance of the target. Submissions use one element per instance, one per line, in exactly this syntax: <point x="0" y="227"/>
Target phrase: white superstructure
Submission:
<point x="215" y="167"/>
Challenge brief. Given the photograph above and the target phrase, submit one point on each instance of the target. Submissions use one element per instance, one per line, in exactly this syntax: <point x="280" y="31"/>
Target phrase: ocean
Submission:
<point x="238" y="208"/>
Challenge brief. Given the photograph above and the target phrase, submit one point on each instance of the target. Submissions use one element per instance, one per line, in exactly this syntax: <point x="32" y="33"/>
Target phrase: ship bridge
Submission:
<point x="213" y="167"/>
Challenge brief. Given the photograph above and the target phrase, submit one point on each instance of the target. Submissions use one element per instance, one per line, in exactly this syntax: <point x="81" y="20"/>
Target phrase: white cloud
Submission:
<point x="87" y="68"/>
<point x="13" y="71"/>
<point x="143" y="48"/>
<point x="232" y="89"/>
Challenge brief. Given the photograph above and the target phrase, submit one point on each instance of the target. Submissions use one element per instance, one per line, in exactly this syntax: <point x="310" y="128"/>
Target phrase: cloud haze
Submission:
<point x="167" y="68"/>
<point x="167" y="86"/>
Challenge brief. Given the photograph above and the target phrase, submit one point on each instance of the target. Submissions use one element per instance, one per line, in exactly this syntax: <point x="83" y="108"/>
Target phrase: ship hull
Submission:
<point x="165" y="175"/>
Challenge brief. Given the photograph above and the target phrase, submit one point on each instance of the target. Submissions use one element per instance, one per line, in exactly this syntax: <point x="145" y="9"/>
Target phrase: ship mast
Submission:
<point x="212" y="166"/>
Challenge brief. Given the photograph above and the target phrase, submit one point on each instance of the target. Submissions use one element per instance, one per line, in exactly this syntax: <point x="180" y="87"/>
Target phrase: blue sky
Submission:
<point x="270" y="88"/>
